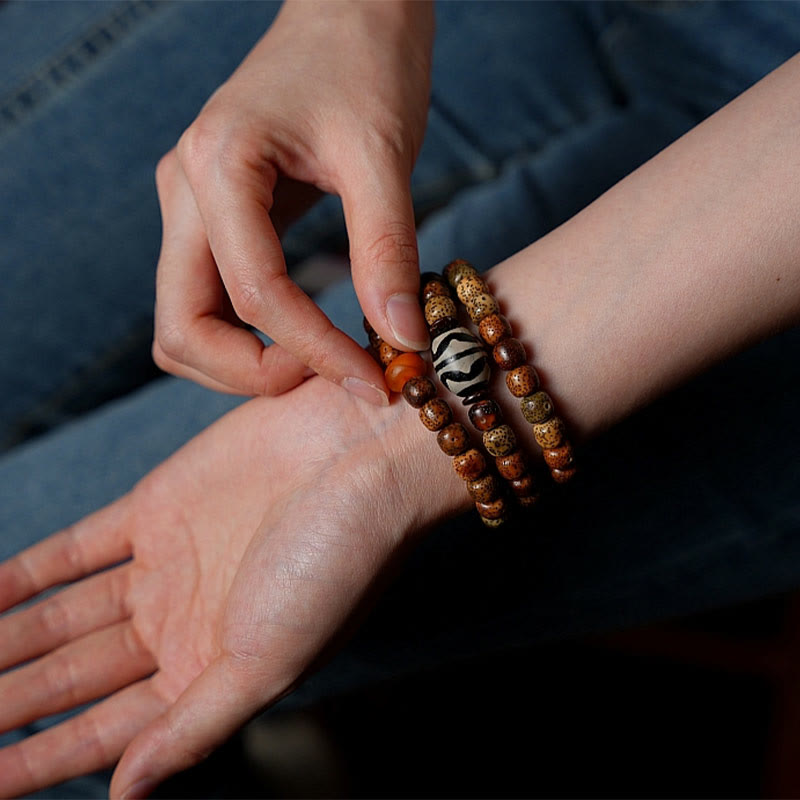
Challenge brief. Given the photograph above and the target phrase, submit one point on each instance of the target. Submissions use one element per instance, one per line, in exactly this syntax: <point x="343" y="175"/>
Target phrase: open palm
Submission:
<point x="232" y="566"/>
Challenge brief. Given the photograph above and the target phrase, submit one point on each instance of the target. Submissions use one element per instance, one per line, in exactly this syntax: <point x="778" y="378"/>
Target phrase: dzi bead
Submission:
<point x="460" y="362"/>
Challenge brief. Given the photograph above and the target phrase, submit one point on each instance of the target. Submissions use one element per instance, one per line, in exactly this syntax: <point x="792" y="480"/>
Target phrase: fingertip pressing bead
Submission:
<point x="494" y="509"/>
<point x="481" y="305"/>
<point x="511" y="466"/>
<point x="537" y="407"/>
<point x="522" y="380"/>
<point x="435" y="414"/>
<point x="550" y="434"/>
<point x="402" y="369"/>
<point x="387" y="353"/>
<point x="418" y="390"/>
<point x="494" y="328"/>
<point x="559" y="457"/>
<point x="485" y="414"/>
<point x="509" y="354"/>
<point x="439" y="307"/>
<point x="470" y="286"/>
<point x="458" y="269"/>
<point x="469" y="465"/>
<point x="500" y="441"/>
<point x="483" y="489"/>
<point x="453" y="440"/>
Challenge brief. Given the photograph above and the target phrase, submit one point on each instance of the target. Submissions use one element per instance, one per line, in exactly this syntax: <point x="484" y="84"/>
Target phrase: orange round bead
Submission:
<point x="403" y="368"/>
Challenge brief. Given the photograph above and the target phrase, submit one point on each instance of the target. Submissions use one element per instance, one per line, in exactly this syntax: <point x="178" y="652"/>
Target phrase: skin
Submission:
<point x="245" y="566"/>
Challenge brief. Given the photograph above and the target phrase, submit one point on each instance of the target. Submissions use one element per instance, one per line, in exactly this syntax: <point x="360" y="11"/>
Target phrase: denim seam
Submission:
<point x="71" y="62"/>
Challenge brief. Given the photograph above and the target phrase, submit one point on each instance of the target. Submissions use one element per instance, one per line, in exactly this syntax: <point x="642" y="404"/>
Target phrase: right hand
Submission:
<point x="332" y="99"/>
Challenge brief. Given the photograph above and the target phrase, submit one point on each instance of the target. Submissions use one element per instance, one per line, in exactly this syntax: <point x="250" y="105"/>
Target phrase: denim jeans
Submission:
<point x="536" y="109"/>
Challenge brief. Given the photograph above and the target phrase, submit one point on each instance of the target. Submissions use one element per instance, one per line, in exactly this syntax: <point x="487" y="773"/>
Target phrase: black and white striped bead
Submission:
<point x="460" y="362"/>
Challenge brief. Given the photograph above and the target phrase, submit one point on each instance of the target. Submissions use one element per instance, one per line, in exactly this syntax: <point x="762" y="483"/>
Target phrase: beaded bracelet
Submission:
<point x="522" y="380"/>
<point x="463" y="367"/>
<point x="405" y="373"/>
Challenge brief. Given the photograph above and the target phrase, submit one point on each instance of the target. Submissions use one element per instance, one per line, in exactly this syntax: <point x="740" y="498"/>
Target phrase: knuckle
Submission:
<point x="395" y="248"/>
<point x="170" y="344"/>
<point x="248" y="301"/>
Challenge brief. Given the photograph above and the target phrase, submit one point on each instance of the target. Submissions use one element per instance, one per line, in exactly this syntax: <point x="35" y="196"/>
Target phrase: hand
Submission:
<point x="332" y="99"/>
<point x="241" y="556"/>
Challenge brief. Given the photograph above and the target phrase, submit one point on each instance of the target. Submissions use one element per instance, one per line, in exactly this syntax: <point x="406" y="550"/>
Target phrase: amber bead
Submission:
<point x="494" y="509"/>
<point x="454" y="439"/>
<point x="485" y="415"/>
<point x="522" y="380"/>
<point x="550" y="434"/>
<point x="418" y="391"/>
<point x="469" y="465"/>
<point x="387" y="353"/>
<point x="433" y="285"/>
<point x="483" y="489"/>
<point x="523" y="486"/>
<point x="493" y="523"/>
<point x="512" y="466"/>
<point x="435" y="414"/>
<point x="537" y="407"/>
<point x="403" y="368"/>
<point x="458" y="269"/>
<point x="438" y="308"/>
<point x="563" y="475"/>
<point x="500" y="441"/>
<point x="470" y="286"/>
<point x="480" y="306"/>
<point x="559" y="457"/>
<point x="509" y="353"/>
<point x="494" y="328"/>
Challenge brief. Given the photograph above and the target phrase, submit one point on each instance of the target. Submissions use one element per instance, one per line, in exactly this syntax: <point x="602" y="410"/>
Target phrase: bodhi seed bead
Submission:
<point x="485" y="415"/>
<point x="537" y="407"/>
<point x="509" y="353"/>
<point x="493" y="523"/>
<point x="458" y="269"/>
<point x="522" y="380"/>
<point x="563" y="475"/>
<point x="499" y="441"/>
<point x="433" y="286"/>
<point x="559" y="457"/>
<point x="387" y="353"/>
<point x="469" y="287"/>
<point x="402" y="369"/>
<point x="523" y="486"/>
<point x="511" y="466"/>
<point x="480" y="306"/>
<point x="494" y="509"/>
<point x="453" y="439"/>
<point x="494" y="328"/>
<point x="483" y="489"/>
<point x="418" y="391"/>
<point x="438" y="308"/>
<point x="435" y="414"/>
<point x="550" y="434"/>
<point x="469" y="465"/>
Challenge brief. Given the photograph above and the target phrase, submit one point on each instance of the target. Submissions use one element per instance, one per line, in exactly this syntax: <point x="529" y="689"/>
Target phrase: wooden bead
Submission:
<point x="493" y="523"/>
<point x="442" y="326"/>
<point x="537" y="407"/>
<point x="433" y="285"/>
<point x="550" y="434"/>
<point x="563" y="475"/>
<point x="523" y="486"/>
<point x="481" y="305"/>
<point x="494" y="509"/>
<point x="403" y="368"/>
<point x="483" y="489"/>
<point x="559" y="457"/>
<point x="460" y="362"/>
<point x="435" y="414"/>
<point x="387" y="354"/>
<point x="458" y="269"/>
<point x="470" y="286"/>
<point x="494" y="328"/>
<point x="417" y="391"/>
<point x="485" y="415"/>
<point x="500" y="441"/>
<point x="511" y="466"/>
<point x="438" y="308"/>
<point x="522" y="380"/>
<point x="453" y="439"/>
<point x="509" y="353"/>
<point x="469" y="465"/>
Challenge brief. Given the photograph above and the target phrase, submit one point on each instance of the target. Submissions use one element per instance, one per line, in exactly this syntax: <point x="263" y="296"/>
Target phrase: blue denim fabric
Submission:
<point x="537" y="108"/>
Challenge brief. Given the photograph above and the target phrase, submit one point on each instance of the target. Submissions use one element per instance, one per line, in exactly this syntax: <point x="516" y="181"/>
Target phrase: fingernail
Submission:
<point x="366" y="391"/>
<point x="140" y="789"/>
<point x="405" y="319"/>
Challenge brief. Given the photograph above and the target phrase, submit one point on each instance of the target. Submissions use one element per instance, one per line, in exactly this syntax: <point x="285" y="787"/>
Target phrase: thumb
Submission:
<point x="383" y="253"/>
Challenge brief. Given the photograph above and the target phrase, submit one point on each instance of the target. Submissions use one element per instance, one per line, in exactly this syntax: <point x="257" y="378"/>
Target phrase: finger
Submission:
<point x="90" y="667"/>
<point x="77" y="610"/>
<point x="86" y="743"/>
<point x="383" y="253"/>
<point x="193" y="339"/>
<point x="93" y="543"/>
<point x="234" y="205"/>
<point x="214" y="706"/>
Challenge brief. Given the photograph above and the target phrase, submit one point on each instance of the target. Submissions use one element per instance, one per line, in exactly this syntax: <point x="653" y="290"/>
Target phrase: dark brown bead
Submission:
<point x="509" y="353"/>
<point x="495" y="509"/>
<point x="483" y="489"/>
<point x="454" y="439"/>
<point x="522" y="380"/>
<point x="559" y="457"/>
<point x="367" y="327"/>
<point x="485" y="415"/>
<point x="470" y="464"/>
<point x="494" y="329"/>
<point x="511" y="467"/>
<point x="563" y="475"/>
<point x="442" y="326"/>
<point x="435" y="414"/>
<point x="523" y="486"/>
<point x="418" y="391"/>
<point x="387" y="354"/>
<point x="374" y="340"/>
<point x="481" y="393"/>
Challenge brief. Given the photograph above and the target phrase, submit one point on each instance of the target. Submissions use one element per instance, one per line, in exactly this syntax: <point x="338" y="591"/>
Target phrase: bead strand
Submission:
<point x="462" y="365"/>
<point x="406" y="373"/>
<point x="522" y="380"/>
